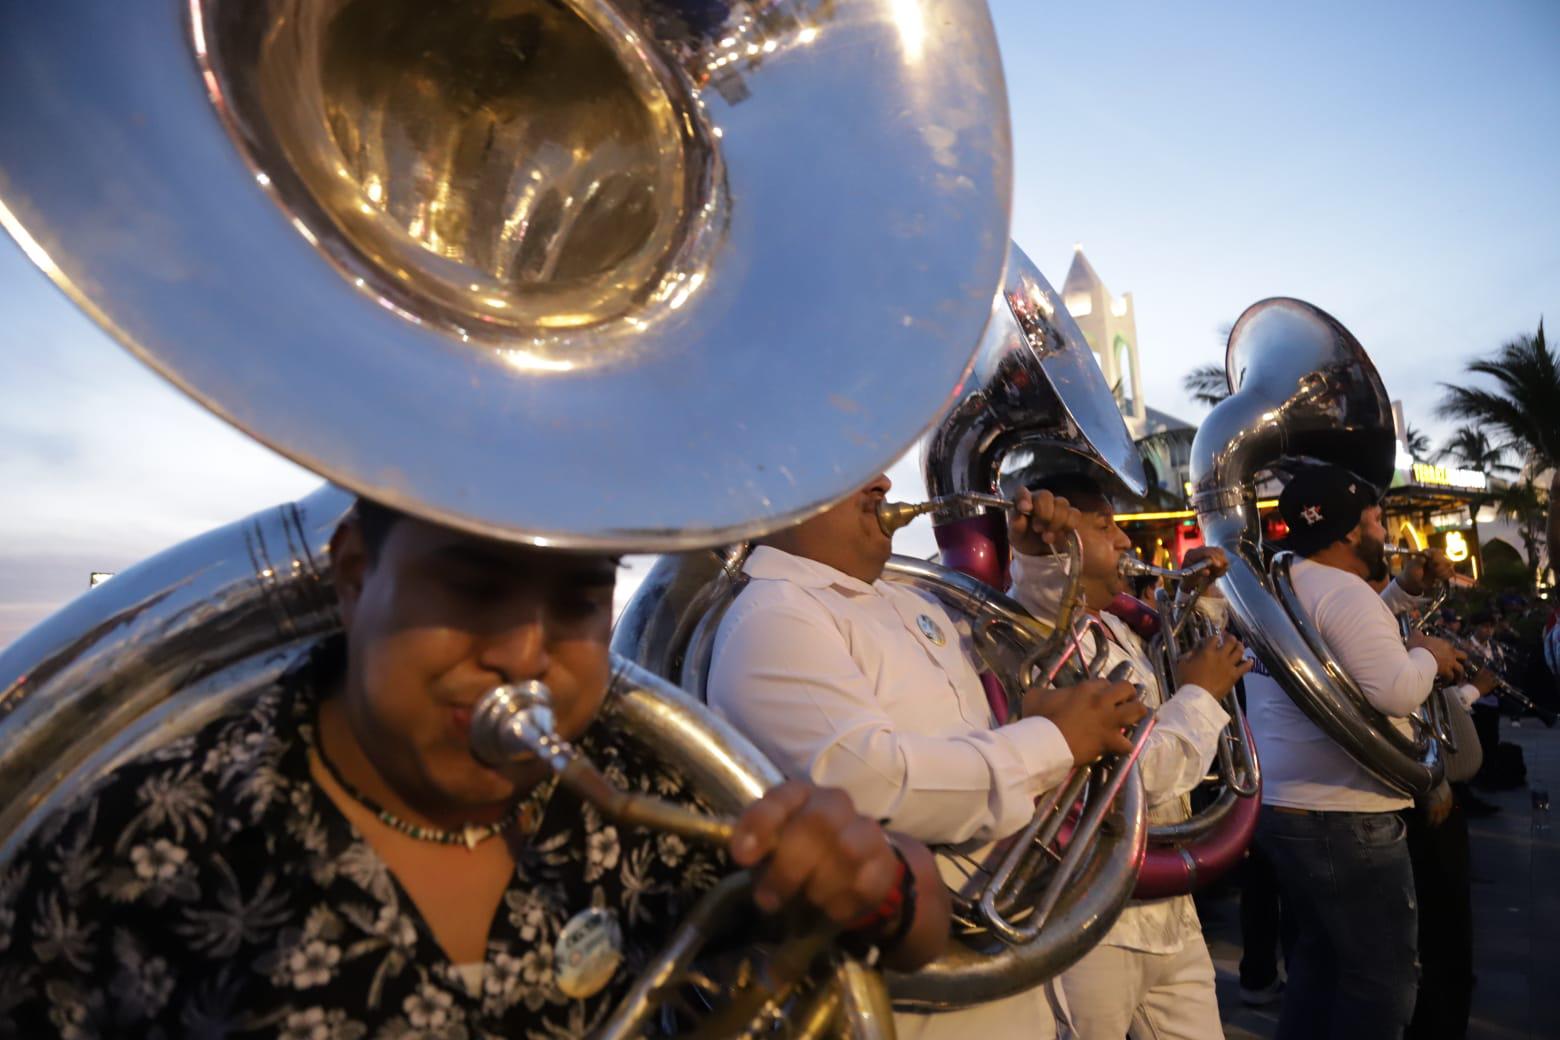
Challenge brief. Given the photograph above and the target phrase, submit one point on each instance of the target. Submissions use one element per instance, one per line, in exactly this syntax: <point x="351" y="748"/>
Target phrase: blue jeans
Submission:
<point x="1347" y="878"/>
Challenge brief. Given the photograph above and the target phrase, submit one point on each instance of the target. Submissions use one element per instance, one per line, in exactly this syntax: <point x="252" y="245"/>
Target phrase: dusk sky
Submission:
<point x="1396" y="163"/>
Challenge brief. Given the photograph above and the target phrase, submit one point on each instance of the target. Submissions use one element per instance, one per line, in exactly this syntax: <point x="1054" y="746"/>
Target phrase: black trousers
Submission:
<point x="1486" y="723"/>
<point x="1440" y="859"/>
<point x="1264" y="928"/>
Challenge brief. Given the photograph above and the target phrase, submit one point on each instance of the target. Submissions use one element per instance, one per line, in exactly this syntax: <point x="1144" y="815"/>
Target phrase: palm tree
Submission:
<point x="1471" y="447"/>
<point x="1206" y="384"/>
<point x="1418" y="442"/>
<point x="1522" y="502"/>
<point x="1523" y="407"/>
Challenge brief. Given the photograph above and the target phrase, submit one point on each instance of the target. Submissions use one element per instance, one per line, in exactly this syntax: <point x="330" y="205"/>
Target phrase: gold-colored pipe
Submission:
<point x="894" y="515"/>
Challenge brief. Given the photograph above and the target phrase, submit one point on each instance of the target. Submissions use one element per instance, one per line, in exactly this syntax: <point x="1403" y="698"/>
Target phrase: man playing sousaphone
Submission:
<point x="858" y="683"/>
<point x="1334" y="832"/>
<point x="333" y="862"/>
<point x="1151" y="975"/>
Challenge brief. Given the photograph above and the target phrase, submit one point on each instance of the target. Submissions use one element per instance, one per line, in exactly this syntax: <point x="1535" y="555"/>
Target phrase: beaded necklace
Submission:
<point x="526" y="813"/>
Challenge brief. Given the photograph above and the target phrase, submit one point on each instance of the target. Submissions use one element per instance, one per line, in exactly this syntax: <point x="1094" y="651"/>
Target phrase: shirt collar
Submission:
<point x="765" y="561"/>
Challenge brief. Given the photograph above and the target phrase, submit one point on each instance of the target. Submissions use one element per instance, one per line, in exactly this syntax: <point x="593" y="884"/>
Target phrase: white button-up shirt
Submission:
<point x="1176" y="757"/>
<point x="1302" y="767"/>
<point x="870" y="688"/>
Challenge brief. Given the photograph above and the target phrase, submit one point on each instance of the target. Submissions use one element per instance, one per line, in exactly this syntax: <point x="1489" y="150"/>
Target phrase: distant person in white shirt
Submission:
<point x="865" y="685"/>
<point x="1334" y="833"/>
<point x="1151" y="976"/>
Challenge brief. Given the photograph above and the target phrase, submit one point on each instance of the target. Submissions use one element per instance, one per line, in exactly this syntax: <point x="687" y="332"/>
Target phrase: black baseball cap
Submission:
<point x="1321" y="505"/>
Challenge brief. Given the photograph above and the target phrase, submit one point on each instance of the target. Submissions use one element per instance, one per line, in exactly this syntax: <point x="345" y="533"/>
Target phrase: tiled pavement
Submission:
<point x="1516" y="901"/>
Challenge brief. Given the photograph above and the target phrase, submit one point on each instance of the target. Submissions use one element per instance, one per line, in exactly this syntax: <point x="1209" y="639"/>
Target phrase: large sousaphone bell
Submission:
<point x="508" y="265"/>
<point x="1302" y="388"/>
<point x="519" y="266"/>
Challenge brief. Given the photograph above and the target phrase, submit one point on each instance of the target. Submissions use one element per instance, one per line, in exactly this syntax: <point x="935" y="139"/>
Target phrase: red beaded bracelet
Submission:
<point x="897" y="908"/>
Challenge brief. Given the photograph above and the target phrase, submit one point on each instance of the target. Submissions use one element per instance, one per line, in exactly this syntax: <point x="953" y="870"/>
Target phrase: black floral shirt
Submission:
<point x="212" y="889"/>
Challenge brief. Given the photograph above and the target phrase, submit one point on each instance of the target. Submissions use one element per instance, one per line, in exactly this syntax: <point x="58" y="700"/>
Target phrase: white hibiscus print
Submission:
<point x="535" y="977"/>
<point x="313" y="963"/>
<point x="601" y="850"/>
<point x="317" y="1023"/>
<point x="76" y="1014"/>
<point x="536" y="967"/>
<point x="159" y="861"/>
<point x="671" y="849"/>
<point x="306" y="1025"/>
<point x="428" y="1008"/>
<point x="529" y="916"/>
<point x="502" y="979"/>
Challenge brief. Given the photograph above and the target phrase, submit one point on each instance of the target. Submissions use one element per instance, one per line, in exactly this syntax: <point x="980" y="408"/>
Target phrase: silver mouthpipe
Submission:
<point x="513" y="723"/>
<point x="1130" y="566"/>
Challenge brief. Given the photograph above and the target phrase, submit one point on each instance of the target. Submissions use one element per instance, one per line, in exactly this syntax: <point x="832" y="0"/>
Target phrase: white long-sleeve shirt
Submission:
<point x="1302" y="767"/>
<point x="1179" y="751"/>
<point x="844" y="683"/>
<point x="870" y="688"/>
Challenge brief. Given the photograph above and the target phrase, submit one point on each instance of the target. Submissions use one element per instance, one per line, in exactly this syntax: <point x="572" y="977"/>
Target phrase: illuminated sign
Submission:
<point x="1440" y="476"/>
<point x="1456" y="546"/>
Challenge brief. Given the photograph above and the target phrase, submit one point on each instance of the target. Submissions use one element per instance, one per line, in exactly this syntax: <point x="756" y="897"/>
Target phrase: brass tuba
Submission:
<point x="1048" y="895"/>
<point x="1302" y="386"/>
<point x="460" y="258"/>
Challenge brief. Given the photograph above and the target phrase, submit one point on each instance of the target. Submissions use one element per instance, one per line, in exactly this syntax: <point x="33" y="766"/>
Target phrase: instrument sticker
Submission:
<point x="931" y="630"/>
<point x="588" y="952"/>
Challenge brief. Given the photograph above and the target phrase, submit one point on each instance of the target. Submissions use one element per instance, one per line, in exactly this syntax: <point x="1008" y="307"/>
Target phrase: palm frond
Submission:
<point x="1520" y="404"/>
<point x="1471" y="448"/>
<point x="1206" y="384"/>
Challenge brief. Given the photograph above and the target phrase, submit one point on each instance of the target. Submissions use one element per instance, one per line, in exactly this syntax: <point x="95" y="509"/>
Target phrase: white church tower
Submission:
<point x="1108" y="324"/>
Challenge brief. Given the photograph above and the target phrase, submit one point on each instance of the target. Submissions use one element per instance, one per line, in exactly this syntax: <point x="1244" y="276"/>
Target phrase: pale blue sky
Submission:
<point x="1395" y="163"/>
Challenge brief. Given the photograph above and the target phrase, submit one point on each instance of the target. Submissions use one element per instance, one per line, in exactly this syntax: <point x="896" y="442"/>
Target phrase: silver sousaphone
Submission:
<point x="1030" y="908"/>
<point x="1301" y="387"/>
<point x="504" y="265"/>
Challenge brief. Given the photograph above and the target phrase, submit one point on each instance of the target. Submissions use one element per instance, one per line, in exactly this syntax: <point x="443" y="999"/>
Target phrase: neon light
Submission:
<point x="1182" y="514"/>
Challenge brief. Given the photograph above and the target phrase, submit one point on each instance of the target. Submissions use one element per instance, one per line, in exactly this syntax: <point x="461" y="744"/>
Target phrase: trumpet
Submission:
<point x="1437" y="595"/>
<point x="1479" y="660"/>
<point x="1131" y="567"/>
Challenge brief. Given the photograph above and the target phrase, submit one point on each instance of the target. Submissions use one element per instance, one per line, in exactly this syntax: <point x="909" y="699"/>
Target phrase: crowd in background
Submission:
<point x="1519" y="636"/>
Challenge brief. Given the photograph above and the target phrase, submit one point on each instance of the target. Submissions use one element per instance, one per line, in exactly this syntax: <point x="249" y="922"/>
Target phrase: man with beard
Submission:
<point x="1334" y="833"/>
